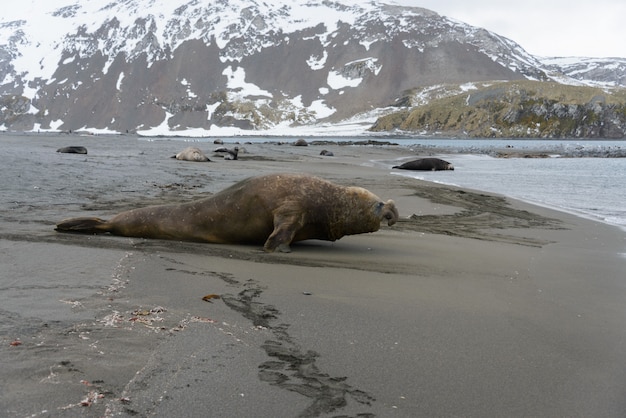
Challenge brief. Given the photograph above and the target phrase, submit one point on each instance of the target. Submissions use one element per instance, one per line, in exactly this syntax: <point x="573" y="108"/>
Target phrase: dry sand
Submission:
<point x="472" y="305"/>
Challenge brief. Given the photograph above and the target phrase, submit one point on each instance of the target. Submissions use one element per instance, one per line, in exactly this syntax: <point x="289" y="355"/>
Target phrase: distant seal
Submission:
<point x="327" y="153"/>
<point x="191" y="154"/>
<point x="229" y="154"/>
<point x="274" y="210"/>
<point x="426" y="164"/>
<point x="73" y="150"/>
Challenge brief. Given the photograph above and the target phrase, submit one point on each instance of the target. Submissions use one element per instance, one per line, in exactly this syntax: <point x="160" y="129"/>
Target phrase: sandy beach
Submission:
<point x="472" y="305"/>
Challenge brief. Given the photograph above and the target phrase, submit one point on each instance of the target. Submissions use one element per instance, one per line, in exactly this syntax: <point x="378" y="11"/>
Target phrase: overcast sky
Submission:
<point x="590" y="28"/>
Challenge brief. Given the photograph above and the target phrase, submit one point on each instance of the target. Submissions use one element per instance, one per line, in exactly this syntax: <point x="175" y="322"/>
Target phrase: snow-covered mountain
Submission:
<point x="219" y="66"/>
<point x="597" y="72"/>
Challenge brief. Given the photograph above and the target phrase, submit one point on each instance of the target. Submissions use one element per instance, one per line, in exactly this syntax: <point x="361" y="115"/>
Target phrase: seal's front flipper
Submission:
<point x="279" y="240"/>
<point x="284" y="248"/>
<point x="285" y="228"/>
<point x="82" y="226"/>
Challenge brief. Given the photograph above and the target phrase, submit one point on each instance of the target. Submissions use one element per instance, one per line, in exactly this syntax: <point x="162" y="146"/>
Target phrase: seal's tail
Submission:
<point x="83" y="226"/>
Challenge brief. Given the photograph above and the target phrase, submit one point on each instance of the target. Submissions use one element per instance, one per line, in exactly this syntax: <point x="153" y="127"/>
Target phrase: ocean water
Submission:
<point x="592" y="187"/>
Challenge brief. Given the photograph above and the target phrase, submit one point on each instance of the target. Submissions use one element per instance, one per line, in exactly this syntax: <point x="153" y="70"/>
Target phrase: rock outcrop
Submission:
<point x="524" y="109"/>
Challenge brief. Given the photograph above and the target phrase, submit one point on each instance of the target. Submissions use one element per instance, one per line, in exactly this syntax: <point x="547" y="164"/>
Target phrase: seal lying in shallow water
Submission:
<point x="274" y="210"/>
<point x="73" y="149"/>
<point x="191" y="154"/>
<point x="426" y="164"/>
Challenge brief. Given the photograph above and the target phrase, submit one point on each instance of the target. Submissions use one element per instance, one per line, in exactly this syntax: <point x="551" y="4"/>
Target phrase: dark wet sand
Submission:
<point x="472" y="305"/>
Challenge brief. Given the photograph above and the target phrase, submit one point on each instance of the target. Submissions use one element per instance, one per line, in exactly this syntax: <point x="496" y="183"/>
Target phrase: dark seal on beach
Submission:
<point x="191" y="154"/>
<point x="274" y="210"/>
<point x="74" y="149"/>
<point x="229" y="154"/>
<point x="426" y="164"/>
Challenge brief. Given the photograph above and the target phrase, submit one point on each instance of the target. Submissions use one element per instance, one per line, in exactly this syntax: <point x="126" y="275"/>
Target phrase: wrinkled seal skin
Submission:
<point x="274" y="210"/>
<point x="191" y="154"/>
<point x="426" y="164"/>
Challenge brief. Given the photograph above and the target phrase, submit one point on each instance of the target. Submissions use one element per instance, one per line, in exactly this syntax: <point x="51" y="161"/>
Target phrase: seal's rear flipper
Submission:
<point x="82" y="225"/>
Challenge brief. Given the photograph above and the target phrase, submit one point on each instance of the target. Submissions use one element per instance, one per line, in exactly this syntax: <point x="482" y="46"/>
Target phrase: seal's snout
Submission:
<point x="390" y="212"/>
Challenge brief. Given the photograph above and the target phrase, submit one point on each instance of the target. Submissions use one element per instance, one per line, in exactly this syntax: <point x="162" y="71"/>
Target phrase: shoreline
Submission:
<point x="555" y="208"/>
<point x="473" y="304"/>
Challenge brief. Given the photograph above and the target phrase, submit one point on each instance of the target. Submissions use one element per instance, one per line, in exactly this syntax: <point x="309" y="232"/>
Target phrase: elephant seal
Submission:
<point x="74" y="149"/>
<point x="191" y="154"/>
<point x="426" y="164"/>
<point x="229" y="154"/>
<point x="274" y="210"/>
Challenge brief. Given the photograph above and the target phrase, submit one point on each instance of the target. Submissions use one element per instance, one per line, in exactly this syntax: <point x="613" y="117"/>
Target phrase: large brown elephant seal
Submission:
<point x="426" y="164"/>
<point x="274" y="210"/>
<point x="191" y="154"/>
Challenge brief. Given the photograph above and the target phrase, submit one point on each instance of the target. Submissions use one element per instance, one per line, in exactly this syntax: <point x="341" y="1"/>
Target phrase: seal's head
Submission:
<point x="361" y="211"/>
<point x="387" y="210"/>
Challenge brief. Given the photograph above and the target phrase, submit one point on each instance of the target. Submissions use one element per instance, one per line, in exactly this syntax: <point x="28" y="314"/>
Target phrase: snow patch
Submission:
<point x="162" y="129"/>
<point x="211" y="109"/>
<point x="297" y="101"/>
<point x="321" y="109"/>
<point x="468" y="86"/>
<point x="317" y="63"/>
<point x="368" y="43"/>
<point x="337" y="81"/>
<point x="237" y="80"/>
<point x="187" y="84"/>
<point x="118" y="85"/>
<point x="56" y="124"/>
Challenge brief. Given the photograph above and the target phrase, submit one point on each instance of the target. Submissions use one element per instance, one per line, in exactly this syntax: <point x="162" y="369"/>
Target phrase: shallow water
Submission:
<point x="589" y="187"/>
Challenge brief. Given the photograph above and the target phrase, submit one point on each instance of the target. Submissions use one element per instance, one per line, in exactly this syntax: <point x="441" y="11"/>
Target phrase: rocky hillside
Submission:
<point x="202" y="67"/>
<point x="521" y="109"/>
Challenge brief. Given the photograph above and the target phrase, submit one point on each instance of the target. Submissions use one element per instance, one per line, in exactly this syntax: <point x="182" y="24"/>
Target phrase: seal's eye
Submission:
<point x="378" y="207"/>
